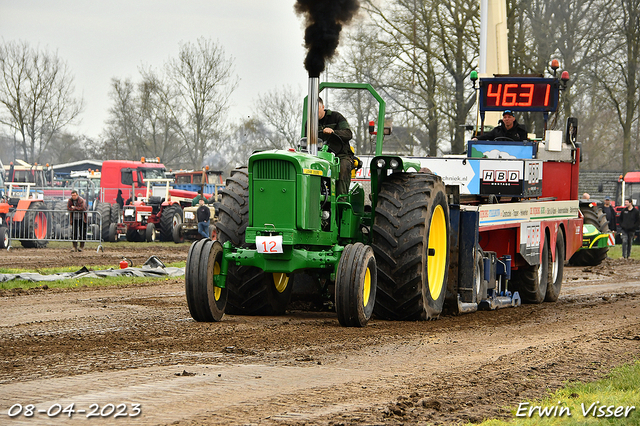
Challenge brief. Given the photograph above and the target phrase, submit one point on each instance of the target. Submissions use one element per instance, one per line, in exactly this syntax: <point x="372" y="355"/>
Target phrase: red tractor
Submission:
<point x="156" y="213"/>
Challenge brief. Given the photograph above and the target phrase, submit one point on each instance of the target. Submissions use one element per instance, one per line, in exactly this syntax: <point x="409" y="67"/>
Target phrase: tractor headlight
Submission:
<point x="381" y="163"/>
<point x="394" y="163"/>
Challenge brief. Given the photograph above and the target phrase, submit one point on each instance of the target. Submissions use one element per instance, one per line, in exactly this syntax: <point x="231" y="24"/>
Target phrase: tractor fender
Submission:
<point x="21" y="209"/>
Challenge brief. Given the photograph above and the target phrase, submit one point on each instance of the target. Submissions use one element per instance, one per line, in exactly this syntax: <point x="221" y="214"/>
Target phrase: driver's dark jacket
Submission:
<point x="338" y="141"/>
<point x="516" y="133"/>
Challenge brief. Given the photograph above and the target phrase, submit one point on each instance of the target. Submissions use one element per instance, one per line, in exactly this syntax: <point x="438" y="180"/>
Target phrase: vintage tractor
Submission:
<point x="281" y="216"/>
<point x="23" y="218"/>
<point x="154" y="214"/>
<point x="188" y="229"/>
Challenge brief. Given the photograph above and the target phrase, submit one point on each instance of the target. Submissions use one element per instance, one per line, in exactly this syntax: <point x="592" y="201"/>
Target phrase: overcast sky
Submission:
<point x="101" y="40"/>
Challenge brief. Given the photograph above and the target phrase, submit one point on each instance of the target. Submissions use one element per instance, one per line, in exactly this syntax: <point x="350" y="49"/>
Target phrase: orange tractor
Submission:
<point x="23" y="218"/>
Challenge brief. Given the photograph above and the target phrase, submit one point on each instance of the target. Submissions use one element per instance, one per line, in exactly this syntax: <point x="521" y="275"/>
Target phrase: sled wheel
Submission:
<point x="557" y="270"/>
<point x="356" y="283"/>
<point x="532" y="281"/>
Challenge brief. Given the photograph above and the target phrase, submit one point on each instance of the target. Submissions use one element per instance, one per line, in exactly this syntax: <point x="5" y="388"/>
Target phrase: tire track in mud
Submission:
<point x="345" y="381"/>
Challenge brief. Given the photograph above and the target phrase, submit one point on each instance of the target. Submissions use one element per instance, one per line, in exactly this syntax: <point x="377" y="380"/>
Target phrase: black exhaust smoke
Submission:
<point x="324" y="19"/>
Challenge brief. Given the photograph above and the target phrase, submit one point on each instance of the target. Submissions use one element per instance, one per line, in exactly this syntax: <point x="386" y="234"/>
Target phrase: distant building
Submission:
<point x="64" y="170"/>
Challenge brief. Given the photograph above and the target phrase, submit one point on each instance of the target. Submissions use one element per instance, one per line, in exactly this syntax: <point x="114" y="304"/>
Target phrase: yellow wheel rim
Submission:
<point x="217" y="291"/>
<point x="281" y="281"/>
<point x="437" y="253"/>
<point x="367" y="287"/>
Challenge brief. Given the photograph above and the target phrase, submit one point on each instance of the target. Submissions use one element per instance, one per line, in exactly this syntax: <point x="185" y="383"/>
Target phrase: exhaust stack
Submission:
<point x="312" y="116"/>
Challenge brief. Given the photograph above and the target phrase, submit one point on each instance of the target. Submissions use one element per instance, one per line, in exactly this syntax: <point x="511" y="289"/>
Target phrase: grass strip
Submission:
<point x="77" y="282"/>
<point x="612" y="400"/>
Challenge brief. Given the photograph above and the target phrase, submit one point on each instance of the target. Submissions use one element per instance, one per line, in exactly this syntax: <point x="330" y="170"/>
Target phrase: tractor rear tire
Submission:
<point x="60" y="215"/>
<point x="557" y="270"/>
<point x="170" y="218"/>
<point x="411" y="245"/>
<point x="4" y="237"/>
<point x="251" y="291"/>
<point x="532" y="281"/>
<point x="104" y="211"/>
<point x="356" y="285"/>
<point x="116" y="213"/>
<point x="36" y="223"/>
<point x="206" y="301"/>
<point x="593" y="215"/>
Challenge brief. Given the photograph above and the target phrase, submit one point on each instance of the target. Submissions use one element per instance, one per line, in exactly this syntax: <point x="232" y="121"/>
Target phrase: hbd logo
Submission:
<point x="501" y="176"/>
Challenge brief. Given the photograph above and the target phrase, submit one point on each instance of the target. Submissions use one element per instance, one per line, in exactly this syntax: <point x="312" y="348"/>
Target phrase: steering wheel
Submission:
<point x="503" y="138"/>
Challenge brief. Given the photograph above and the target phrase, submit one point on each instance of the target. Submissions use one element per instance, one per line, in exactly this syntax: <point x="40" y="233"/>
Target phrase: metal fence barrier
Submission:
<point x="35" y="227"/>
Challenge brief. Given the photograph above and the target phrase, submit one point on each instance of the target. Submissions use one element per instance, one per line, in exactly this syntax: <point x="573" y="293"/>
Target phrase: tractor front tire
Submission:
<point x="356" y="281"/>
<point x="411" y="245"/>
<point x="178" y="234"/>
<point x="170" y="218"/>
<point x="206" y="301"/>
<point x="113" y="233"/>
<point x="4" y="237"/>
<point x="150" y="233"/>
<point x="593" y="215"/>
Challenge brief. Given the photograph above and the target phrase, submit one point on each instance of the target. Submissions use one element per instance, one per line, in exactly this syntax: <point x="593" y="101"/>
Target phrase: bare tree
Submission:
<point x="36" y="94"/>
<point x="158" y="128"/>
<point x="280" y="110"/>
<point x="620" y="77"/>
<point x="201" y="81"/>
<point x="124" y="123"/>
<point x="434" y="45"/>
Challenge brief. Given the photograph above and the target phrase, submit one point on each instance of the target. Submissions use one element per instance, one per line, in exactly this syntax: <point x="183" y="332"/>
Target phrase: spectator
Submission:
<point x="629" y="223"/>
<point x="203" y="214"/>
<point x="120" y="199"/>
<point x="610" y="213"/>
<point x="77" y="219"/>
<point x="197" y="198"/>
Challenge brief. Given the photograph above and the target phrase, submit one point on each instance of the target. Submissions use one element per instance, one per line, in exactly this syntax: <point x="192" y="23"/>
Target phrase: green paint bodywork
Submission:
<point x="593" y="239"/>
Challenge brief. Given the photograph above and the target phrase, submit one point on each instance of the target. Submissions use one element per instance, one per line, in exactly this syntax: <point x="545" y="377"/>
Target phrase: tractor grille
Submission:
<point x="273" y="170"/>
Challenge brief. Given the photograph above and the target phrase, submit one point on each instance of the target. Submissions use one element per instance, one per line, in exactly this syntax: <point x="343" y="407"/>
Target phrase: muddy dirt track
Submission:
<point x="138" y="345"/>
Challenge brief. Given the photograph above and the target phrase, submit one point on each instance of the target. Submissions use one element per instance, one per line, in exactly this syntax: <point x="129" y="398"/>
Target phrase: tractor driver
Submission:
<point x="507" y="128"/>
<point x="334" y="130"/>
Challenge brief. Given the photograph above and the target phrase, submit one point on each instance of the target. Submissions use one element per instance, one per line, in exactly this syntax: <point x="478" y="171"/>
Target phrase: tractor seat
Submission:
<point x="14" y="201"/>
<point x="155" y="200"/>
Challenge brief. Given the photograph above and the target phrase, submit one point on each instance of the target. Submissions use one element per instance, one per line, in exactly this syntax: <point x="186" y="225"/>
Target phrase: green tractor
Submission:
<point x="280" y="217"/>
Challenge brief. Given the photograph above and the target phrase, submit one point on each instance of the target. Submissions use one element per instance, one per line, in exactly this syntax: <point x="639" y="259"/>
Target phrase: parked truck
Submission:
<point x="474" y="232"/>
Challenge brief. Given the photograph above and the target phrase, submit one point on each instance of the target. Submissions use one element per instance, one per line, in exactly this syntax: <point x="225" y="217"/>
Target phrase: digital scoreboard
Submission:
<point x="519" y="94"/>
